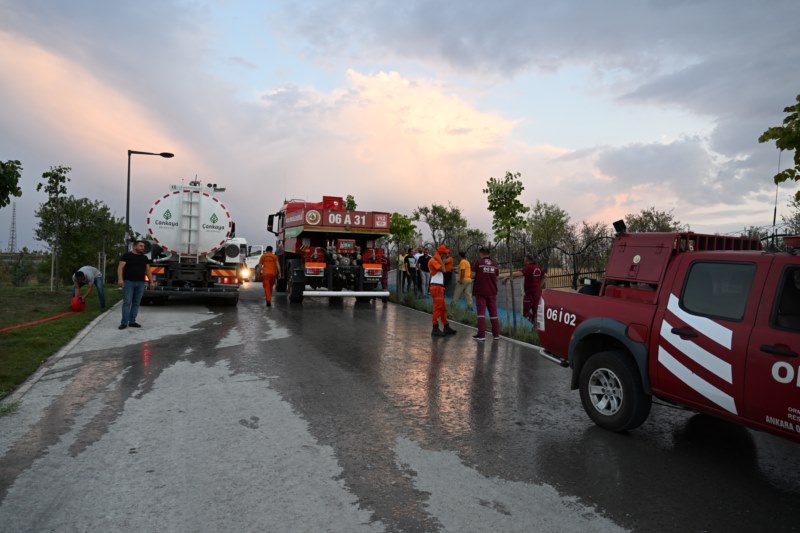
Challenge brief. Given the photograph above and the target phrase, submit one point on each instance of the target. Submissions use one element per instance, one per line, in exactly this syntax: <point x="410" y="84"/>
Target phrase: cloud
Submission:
<point x="400" y="142"/>
<point x="401" y="104"/>
<point x="509" y="36"/>
<point x="732" y="62"/>
<point x="68" y="106"/>
<point x="679" y="166"/>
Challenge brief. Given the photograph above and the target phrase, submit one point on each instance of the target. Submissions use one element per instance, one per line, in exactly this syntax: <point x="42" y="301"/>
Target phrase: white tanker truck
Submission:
<point x="194" y="251"/>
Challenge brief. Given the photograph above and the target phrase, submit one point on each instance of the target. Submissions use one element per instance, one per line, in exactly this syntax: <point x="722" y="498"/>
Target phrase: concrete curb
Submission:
<point x="26" y="385"/>
<point x="503" y="338"/>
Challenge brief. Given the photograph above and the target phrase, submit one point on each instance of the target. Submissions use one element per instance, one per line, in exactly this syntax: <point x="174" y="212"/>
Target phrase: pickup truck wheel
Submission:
<point x="612" y="393"/>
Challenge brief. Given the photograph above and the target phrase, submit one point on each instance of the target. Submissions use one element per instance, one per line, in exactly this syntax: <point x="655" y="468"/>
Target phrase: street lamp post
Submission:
<point x="128" y="194"/>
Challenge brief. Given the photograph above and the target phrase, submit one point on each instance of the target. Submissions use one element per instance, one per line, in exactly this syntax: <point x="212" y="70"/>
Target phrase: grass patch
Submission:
<point x="23" y="350"/>
<point x="8" y="409"/>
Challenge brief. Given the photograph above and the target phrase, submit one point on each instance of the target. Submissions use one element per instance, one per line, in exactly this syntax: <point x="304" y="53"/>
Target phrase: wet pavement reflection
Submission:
<point x="369" y="381"/>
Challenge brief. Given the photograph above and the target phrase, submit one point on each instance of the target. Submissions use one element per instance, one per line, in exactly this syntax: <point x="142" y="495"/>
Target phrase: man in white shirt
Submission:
<point x="91" y="277"/>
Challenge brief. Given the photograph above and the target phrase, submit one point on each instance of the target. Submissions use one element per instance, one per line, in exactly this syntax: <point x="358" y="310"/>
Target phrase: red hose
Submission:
<point x="37" y="321"/>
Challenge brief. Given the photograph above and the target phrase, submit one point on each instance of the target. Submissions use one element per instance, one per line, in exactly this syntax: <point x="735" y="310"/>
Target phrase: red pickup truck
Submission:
<point x="703" y="321"/>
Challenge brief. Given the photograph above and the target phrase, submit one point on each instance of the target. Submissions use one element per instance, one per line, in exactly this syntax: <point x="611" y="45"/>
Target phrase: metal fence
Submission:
<point x="562" y="280"/>
<point x="566" y="268"/>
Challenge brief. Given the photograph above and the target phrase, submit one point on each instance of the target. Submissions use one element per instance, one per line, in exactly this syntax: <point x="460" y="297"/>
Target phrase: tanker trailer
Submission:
<point x="193" y="249"/>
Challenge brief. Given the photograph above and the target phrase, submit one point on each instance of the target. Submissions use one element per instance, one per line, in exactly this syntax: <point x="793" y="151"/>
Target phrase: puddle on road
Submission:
<point x="157" y="323"/>
<point x="501" y="505"/>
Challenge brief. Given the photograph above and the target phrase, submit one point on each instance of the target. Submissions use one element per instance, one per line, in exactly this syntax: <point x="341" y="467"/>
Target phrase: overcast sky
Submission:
<point x="605" y="108"/>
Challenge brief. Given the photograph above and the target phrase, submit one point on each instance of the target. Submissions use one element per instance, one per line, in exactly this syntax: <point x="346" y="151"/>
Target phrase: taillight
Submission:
<point x="373" y="270"/>
<point x="315" y="269"/>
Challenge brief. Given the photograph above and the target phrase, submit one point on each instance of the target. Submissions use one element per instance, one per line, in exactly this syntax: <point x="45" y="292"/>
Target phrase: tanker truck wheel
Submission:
<point x="612" y="393"/>
<point x="295" y="288"/>
<point x="296" y="292"/>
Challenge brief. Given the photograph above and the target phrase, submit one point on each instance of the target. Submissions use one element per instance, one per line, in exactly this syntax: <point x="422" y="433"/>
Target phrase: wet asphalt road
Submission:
<point x="350" y="417"/>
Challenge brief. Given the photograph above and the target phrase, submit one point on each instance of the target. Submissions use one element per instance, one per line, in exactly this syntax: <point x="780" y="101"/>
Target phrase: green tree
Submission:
<point x="23" y="268"/>
<point x="508" y="213"/>
<point x="754" y="232"/>
<point x="586" y="247"/>
<point x="350" y="203"/>
<point x="443" y="222"/>
<point x="546" y="227"/>
<point x="87" y="230"/>
<point x="55" y="186"/>
<point x="467" y="240"/>
<point x="792" y="221"/>
<point x="403" y="233"/>
<point x="10" y="173"/>
<point x="787" y="137"/>
<point x="651" y="220"/>
<point x="402" y="229"/>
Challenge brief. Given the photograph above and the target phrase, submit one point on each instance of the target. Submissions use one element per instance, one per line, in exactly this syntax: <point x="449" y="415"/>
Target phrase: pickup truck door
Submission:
<point x="703" y="330"/>
<point x="772" y="384"/>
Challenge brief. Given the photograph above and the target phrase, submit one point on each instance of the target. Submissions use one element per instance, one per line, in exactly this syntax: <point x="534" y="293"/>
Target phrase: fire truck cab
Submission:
<point x="325" y="250"/>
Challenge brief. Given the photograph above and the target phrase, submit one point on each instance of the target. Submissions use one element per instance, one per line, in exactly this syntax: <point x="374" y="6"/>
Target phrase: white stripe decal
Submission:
<point x="719" y="334"/>
<point x="695" y="382"/>
<point x="707" y="360"/>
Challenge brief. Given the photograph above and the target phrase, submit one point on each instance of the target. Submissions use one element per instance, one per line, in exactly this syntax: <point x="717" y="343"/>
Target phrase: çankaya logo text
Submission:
<point x="167" y="215"/>
<point x="213" y="219"/>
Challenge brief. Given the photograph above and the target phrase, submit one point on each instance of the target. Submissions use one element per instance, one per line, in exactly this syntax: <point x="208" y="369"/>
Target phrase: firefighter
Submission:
<point x="385" y="266"/>
<point x="448" y="271"/>
<point x="484" y="274"/>
<point x="436" y="269"/>
<point x="532" y="287"/>
<point x="270" y="271"/>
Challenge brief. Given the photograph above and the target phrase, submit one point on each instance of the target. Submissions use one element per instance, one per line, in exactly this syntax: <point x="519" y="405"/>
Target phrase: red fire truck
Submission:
<point x="708" y="322"/>
<point x="325" y="250"/>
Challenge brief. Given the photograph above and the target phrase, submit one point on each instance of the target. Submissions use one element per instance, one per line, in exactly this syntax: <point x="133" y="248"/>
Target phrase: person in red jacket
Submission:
<point x="436" y="269"/>
<point x="484" y="289"/>
<point x="532" y="287"/>
<point x="385" y="266"/>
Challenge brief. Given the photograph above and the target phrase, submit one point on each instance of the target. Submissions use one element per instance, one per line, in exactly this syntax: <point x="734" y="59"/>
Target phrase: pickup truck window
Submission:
<point x="787" y="312"/>
<point x="718" y="290"/>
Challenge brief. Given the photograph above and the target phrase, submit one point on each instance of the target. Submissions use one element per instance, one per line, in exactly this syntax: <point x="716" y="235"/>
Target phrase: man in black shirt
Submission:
<point x="425" y="273"/>
<point x="132" y="273"/>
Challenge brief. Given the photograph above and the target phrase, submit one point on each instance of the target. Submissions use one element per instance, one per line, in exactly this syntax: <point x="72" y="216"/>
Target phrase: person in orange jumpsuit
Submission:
<point x="436" y="268"/>
<point x="270" y="270"/>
